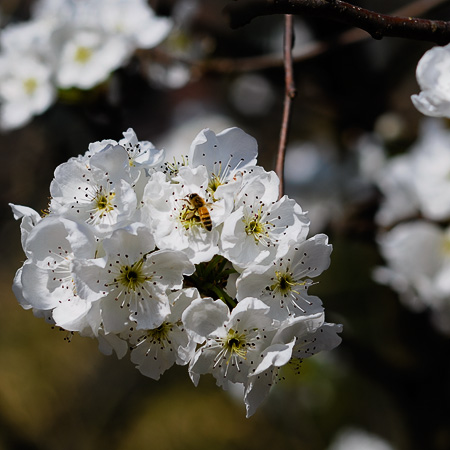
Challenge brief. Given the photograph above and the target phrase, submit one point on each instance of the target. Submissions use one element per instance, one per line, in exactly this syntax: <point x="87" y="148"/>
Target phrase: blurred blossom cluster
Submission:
<point x="64" y="45"/>
<point x="414" y="221"/>
<point x="191" y="262"/>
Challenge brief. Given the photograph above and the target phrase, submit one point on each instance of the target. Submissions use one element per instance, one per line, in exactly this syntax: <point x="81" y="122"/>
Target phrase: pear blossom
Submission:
<point x="166" y="208"/>
<point x="396" y="184"/>
<point x="31" y="39"/>
<point x="99" y="193"/>
<point x="223" y="154"/>
<point x="64" y="45"/>
<point x="418" y="182"/>
<point x="88" y="57"/>
<point x="433" y="76"/>
<point x="296" y="339"/>
<point x="156" y="350"/>
<point x="283" y="284"/>
<point x="142" y="154"/>
<point x="431" y="159"/>
<point x="260" y="228"/>
<point x="26" y="89"/>
<point x="231" y="341"/>
<point x="418" y="263"/>
<point x="46" y="278"/>
<point x="109" y="343"/>
<point x="29" y="217"/>
<point x="192" y="263"/>
<point x="132" y="280"/>
<point x="135" y="21"/>
<point x="416" y="200"/>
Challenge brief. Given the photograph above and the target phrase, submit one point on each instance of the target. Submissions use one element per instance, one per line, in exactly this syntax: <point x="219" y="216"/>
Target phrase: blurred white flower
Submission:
<point x="396" y="183"/>
<point x="133" y="20"/>
<point x="356" y="439"/>
<point x="88" y="57"/>
<point x="431" y="174"/>
<point x="65" y="45"/>
<point x="173" y="76"/>
<point x="418" y="181"/>
<point x="26" y="89"/>
<point x="418" y="260"/>
<point x="252" y="95"/>
<point x="32" y="38"/>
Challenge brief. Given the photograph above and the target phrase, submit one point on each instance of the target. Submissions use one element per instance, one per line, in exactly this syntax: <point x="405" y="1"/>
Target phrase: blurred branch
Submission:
<point x="307" y="51"/>
<point x="377" y="25"/>
<point x="289" y="94"/>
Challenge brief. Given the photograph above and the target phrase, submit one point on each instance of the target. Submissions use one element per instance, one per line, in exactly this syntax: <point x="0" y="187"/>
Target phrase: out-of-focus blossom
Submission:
<point x="356" y="439"/>
<point x="252" y="95"/>
<point x="397" y="185"/>
<point x="134" y="21"/>
<point x="418" y="181"/>
<point x="416" y="205"/>
<point x="26" y="89"/>
<point x="173" y="76"/>
<point x="418" y="262"/>
<point x="88" y="57"/>
<point x="65" y="45"/>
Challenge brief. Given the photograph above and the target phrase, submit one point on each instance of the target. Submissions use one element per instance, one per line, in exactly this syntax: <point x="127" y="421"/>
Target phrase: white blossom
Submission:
<point x="431" y="160"/>
<point x="99" y="193"/>
<point x="305" y="332"/>
<point x="135" y="21"/>
<point x="29" y="217"/>
<point x="283" y="284"/>
<point x="417" y="181"/>
<point x="223" y="154"/>
<point x="260" y="228"/>
<point x="156" y="350"/>
<point x="132" y="280"/>
<point x="168" y="211"/>
<point x="396" y="184"/>
<point x="418" y="263"/>
<point x="231" y="341"/>
<point x="88" y="57"/>
<point x="26" y="89"/>
<point x="46" y="278"/>
<point x="433" y="76"/>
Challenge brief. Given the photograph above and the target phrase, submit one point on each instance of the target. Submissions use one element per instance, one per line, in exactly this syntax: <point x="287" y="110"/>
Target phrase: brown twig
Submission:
<point x="289" y="94"/>
<point x="377" y="25"/>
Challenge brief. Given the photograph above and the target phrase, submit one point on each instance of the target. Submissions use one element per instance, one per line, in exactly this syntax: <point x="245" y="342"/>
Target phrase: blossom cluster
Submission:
<point x="414" y="220"/>
<point x="192" y="262"/>
<point x="64" y="45"/>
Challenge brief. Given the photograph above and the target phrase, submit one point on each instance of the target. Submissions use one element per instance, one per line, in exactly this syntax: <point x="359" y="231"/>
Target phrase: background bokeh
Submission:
<point x="389" y="378"/>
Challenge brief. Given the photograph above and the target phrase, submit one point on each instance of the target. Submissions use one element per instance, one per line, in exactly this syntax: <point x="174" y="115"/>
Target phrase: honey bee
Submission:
<point x="197" y="208"/>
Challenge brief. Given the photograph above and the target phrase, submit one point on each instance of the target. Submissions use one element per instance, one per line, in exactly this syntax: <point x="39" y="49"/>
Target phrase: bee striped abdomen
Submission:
<point x="205" y="218"/>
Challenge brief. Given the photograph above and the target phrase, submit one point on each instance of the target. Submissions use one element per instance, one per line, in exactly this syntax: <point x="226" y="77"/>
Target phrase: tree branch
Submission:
<point x="289" y="94"/>
<point x="377" y="25"/>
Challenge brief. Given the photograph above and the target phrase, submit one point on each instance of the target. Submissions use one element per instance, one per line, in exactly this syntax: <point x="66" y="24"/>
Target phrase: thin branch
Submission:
<point x="289" y="94"/>
<point x="377" y="25"/>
